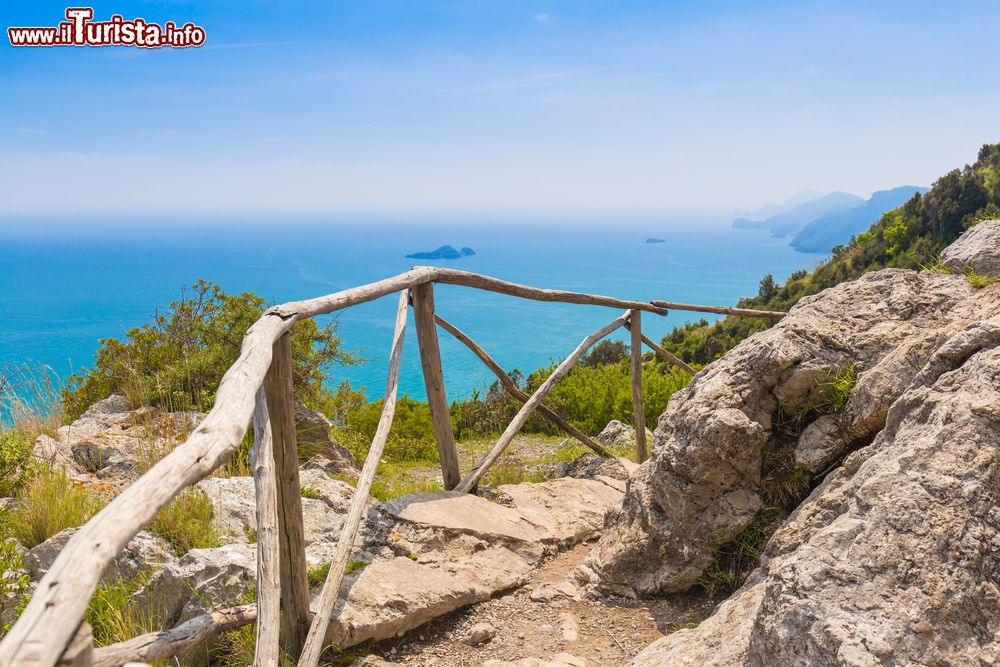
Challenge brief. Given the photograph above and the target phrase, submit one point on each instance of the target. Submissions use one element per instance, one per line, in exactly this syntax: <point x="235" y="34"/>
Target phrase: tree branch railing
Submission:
<point x="257" y="390"/>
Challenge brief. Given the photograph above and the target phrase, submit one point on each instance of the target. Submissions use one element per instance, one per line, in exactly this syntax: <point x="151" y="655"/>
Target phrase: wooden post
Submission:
<point x="638" y="412"/>
<point x="80" y="650"/>
<point x="430" y="362"/>
<point x="291" y="532"/>
<point x="266" y="653"/>
<point x="470" y="480"/>
<point x="331" y="589"/>
<point x="515" y="391"/>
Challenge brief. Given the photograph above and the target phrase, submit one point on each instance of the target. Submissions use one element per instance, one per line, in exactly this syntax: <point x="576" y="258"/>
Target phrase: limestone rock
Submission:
<point x="978" y="249"/>
<point x="312" y="434"/>
<point x="234" y="510"/>
<point x="703" y="483"/>
<point x="144" y="551"/>
<point x="893" y="559"/>
<point x="202" y="579"/>
<point x="620" y="434"/>
<point x="555" y="592"/>
<point x="480" y="633"/>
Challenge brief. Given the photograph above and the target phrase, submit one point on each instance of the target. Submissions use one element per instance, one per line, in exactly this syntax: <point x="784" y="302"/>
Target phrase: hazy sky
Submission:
<point x="505" y="106"/>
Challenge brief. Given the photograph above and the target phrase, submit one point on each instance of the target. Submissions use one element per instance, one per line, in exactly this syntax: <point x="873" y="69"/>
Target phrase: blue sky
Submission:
<point x="506" y="107"/>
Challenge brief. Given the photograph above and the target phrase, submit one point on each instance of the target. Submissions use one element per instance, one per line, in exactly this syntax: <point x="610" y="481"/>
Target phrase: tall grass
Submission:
<point x="187" y="522"/>
<point x="49" y="503"/>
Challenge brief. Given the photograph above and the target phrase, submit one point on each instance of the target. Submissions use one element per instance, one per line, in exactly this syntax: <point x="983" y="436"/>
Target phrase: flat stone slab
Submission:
<point x="463" y="513"/>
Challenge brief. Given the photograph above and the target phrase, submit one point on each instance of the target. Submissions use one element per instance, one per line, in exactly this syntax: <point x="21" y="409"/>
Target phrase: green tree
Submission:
<point x="177" y="361"/>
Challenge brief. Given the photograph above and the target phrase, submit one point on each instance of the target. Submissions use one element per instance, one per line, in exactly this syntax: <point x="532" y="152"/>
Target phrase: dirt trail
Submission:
<point x="595" y="632"/>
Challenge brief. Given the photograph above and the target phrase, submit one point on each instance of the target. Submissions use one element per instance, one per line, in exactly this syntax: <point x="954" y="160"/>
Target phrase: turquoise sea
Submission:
<point x="61" y="294"/>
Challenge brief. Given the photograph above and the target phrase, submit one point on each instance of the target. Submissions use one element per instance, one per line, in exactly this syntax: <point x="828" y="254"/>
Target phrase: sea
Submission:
<point x="60" y="294"/>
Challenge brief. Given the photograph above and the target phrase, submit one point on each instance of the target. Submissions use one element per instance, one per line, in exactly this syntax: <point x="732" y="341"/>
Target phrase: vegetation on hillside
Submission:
<point x="909" y="237"/>
<point x="176" y="361"/>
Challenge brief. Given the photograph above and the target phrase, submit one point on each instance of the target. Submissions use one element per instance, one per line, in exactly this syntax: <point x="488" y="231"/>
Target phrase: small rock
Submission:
<point x="551" y="592"/>
<point x="569" y="627"/>
<point x="480" y="633"/>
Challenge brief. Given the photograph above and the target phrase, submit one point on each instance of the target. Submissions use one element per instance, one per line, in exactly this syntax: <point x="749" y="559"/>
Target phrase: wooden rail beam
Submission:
<point x="470" y="480"/>
<point x="291" y="531"/>
<point x="515" y="391"/>
<point x="331" y="589"/>
<point x="638" y="412"/>
<point x="165" y="644"/>
<point x="430" y="362"/>
<point x="267" y="650"/>
<point x="490" y="284"/>
<point x="722" y="310"/>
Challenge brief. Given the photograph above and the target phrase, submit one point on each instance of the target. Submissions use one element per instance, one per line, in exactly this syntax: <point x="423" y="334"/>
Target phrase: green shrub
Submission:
<point x="837" y="389"/>
<point x="15" y="584"/>
<point x="310" y="492"/>
<point x="411" y="437"/>
<point x="49" y="503"/>
<point x="187" y="522"/>
<point x="15" y="460"/>
<point x="176" y="361"/>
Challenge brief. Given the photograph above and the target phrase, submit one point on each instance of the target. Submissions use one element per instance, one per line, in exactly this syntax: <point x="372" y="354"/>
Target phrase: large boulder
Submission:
<point x="780" y="397"/>
<point x="312" y="434"/>
<point x="893" y="559"/>
<point x="978" y="250"/>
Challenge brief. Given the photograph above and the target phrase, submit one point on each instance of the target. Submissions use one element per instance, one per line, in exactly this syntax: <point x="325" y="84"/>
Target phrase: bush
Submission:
<point x="176" y="361"/>
<point x="187" y="522"/>
<point x="49" y="503"/>
<point x="15" y="584"/>
<point x="411" y="437"/>
<point x="15" y="461"/>
<point x="590" y="397"/>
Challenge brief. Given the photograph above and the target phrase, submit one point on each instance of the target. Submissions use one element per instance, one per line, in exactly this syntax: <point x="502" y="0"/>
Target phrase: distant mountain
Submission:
<point x="652" y="240"/>
<point x="797" y="217"/>
<point x="444" y="252"/>
<point x="768" y="210"/>
<point x="837" y="228"/>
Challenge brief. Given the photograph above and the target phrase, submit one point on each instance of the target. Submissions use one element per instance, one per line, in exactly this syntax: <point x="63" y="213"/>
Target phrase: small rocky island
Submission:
<point x="444" y="252"/>
<point x="654" y="240"/>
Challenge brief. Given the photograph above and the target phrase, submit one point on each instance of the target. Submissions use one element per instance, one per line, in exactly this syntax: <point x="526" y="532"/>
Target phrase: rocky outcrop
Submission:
<point x="144" y="552"/>
<point x="978" y="250"/>
<point x="620" y="434"/>
<point x="418" y="557"/>
<point x="893" y="559"/>
<point x="813" y="388"/>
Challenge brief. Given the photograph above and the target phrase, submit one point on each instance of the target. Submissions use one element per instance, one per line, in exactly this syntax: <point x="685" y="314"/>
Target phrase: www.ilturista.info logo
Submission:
<point x="81" y="30"/>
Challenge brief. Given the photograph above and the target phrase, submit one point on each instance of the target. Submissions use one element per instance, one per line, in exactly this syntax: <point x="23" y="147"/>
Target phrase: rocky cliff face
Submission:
<point x="895" y="557"/>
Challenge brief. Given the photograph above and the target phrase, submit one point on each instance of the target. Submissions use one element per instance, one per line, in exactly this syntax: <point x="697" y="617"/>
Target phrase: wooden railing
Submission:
<point x="257" y="389"/>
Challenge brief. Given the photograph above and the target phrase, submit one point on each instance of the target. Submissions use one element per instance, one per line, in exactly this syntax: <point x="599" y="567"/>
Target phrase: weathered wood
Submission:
<point x="355" y="295"/>
<point x="472" y="478"/>
<point x="638" y="412"/>
<point x="667" y="356"/>
<point x="61" y="597"/>
<point x="80" y="650"/>
<point x="722" y="310"/>
<point x="267" y="650"/>
<point x="291" y="530"/>
<point x="488" y="283"/>
<point x="430" y="362"/>
<point x="516" y="391"/>
<point x="331" y="589"/>
<point x="166" y="644"/>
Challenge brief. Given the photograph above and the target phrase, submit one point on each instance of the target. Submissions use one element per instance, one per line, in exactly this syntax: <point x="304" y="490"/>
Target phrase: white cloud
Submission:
<point x="544" y="19"/>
